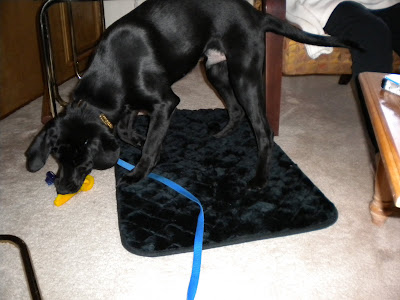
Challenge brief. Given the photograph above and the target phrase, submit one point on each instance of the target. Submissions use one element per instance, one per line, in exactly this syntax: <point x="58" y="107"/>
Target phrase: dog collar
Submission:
<point x="106" y="121"/>
<point x="102" y="116"/>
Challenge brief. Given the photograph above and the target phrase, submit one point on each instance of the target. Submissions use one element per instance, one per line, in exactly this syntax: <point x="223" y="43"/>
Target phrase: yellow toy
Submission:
<point x="86" y="186"/>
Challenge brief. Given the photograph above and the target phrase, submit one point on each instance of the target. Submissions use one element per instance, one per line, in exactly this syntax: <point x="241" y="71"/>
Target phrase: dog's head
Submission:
<point x="79" y="142"/>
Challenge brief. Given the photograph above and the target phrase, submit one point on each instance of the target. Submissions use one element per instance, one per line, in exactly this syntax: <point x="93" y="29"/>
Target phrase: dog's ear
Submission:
<point x="39" y="150"/>
<point x="107" y="152"/>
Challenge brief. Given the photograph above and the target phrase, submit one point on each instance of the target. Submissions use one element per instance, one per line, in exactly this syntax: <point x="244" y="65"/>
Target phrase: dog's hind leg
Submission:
<point x="126" y="132"/>
<point x="218" y="76"/>
<point x="247" y="82"/>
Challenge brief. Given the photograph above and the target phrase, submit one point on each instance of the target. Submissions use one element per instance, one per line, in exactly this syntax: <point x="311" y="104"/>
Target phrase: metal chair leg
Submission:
<point x="26" y="259"/>
<point x="73" y="44"/>
<point x="48" y="57"/>
<point x="72" y="35"/>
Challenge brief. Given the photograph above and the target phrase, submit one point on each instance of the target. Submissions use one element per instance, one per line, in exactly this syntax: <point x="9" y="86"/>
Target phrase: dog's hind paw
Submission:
<point x="257" y="183"/>
<point x="229" y="128"/>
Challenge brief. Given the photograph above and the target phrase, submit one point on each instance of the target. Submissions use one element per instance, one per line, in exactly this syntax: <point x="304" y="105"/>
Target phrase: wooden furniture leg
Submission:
<point x="381" y="207"/>
<point x="273" y="65"/>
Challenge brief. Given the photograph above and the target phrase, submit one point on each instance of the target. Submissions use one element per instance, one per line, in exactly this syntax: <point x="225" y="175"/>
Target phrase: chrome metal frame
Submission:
<point x="27" y="263"/>
<point x="48" y="53"/>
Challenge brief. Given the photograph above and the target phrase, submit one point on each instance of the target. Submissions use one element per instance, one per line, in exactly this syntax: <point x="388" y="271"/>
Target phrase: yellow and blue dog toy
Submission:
<point x="61" y="199"/>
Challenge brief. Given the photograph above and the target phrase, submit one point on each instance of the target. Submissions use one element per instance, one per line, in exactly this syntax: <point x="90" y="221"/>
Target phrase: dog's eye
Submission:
<point x="86" y="142"/>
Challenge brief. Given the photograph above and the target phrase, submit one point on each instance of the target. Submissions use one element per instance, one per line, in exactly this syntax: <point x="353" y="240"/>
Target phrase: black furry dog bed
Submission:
<point x="155" y="220"/>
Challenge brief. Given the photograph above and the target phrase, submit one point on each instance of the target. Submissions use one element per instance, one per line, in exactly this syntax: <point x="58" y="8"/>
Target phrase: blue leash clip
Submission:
<point x="198" y="238"/>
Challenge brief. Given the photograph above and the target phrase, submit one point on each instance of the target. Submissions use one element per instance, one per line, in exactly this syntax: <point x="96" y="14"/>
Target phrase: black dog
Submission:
<point x="139" y="58"/>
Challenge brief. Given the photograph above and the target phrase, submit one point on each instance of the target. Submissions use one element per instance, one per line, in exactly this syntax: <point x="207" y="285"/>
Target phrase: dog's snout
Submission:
<point x="66" y="188"/>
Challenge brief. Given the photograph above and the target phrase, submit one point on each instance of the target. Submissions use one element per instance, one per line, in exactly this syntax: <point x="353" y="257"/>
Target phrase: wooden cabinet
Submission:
<point x="87" y="23"/>
<point x="21" y="72"/>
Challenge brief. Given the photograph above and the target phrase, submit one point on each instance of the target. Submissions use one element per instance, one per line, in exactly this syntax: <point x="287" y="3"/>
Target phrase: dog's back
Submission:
<point x="182" y="30"/>
<point x="164" y="37"/>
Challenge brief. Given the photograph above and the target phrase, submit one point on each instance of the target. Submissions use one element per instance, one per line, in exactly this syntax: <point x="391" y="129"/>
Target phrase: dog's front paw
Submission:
<point x="135" y="140"/>
<point x="257" y="183"/>
<point x="128" y="179"/>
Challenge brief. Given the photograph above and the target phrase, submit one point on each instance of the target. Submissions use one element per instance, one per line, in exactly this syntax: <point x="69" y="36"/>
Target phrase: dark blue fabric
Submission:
<point x="154" y="220"/>
<point x="198" y="239"/>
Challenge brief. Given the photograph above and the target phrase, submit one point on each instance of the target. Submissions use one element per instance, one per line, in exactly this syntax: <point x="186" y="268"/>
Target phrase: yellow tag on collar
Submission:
<point x="106" y="122"/>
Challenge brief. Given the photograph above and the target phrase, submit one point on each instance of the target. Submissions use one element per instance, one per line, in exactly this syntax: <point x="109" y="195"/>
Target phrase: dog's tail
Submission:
<point x="278" y="26"/>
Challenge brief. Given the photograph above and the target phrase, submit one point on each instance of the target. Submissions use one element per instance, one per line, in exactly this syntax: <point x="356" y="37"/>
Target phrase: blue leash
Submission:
<point x="198" y="238"/>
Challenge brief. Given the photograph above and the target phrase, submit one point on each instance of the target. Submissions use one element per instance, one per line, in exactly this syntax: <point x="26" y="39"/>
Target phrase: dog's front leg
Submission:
<point x="159" y="122"/>
<point x="126" y="132"/>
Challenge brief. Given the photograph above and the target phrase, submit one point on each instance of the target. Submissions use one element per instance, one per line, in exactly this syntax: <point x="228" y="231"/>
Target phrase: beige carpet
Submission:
<point x="76" y="250"/>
